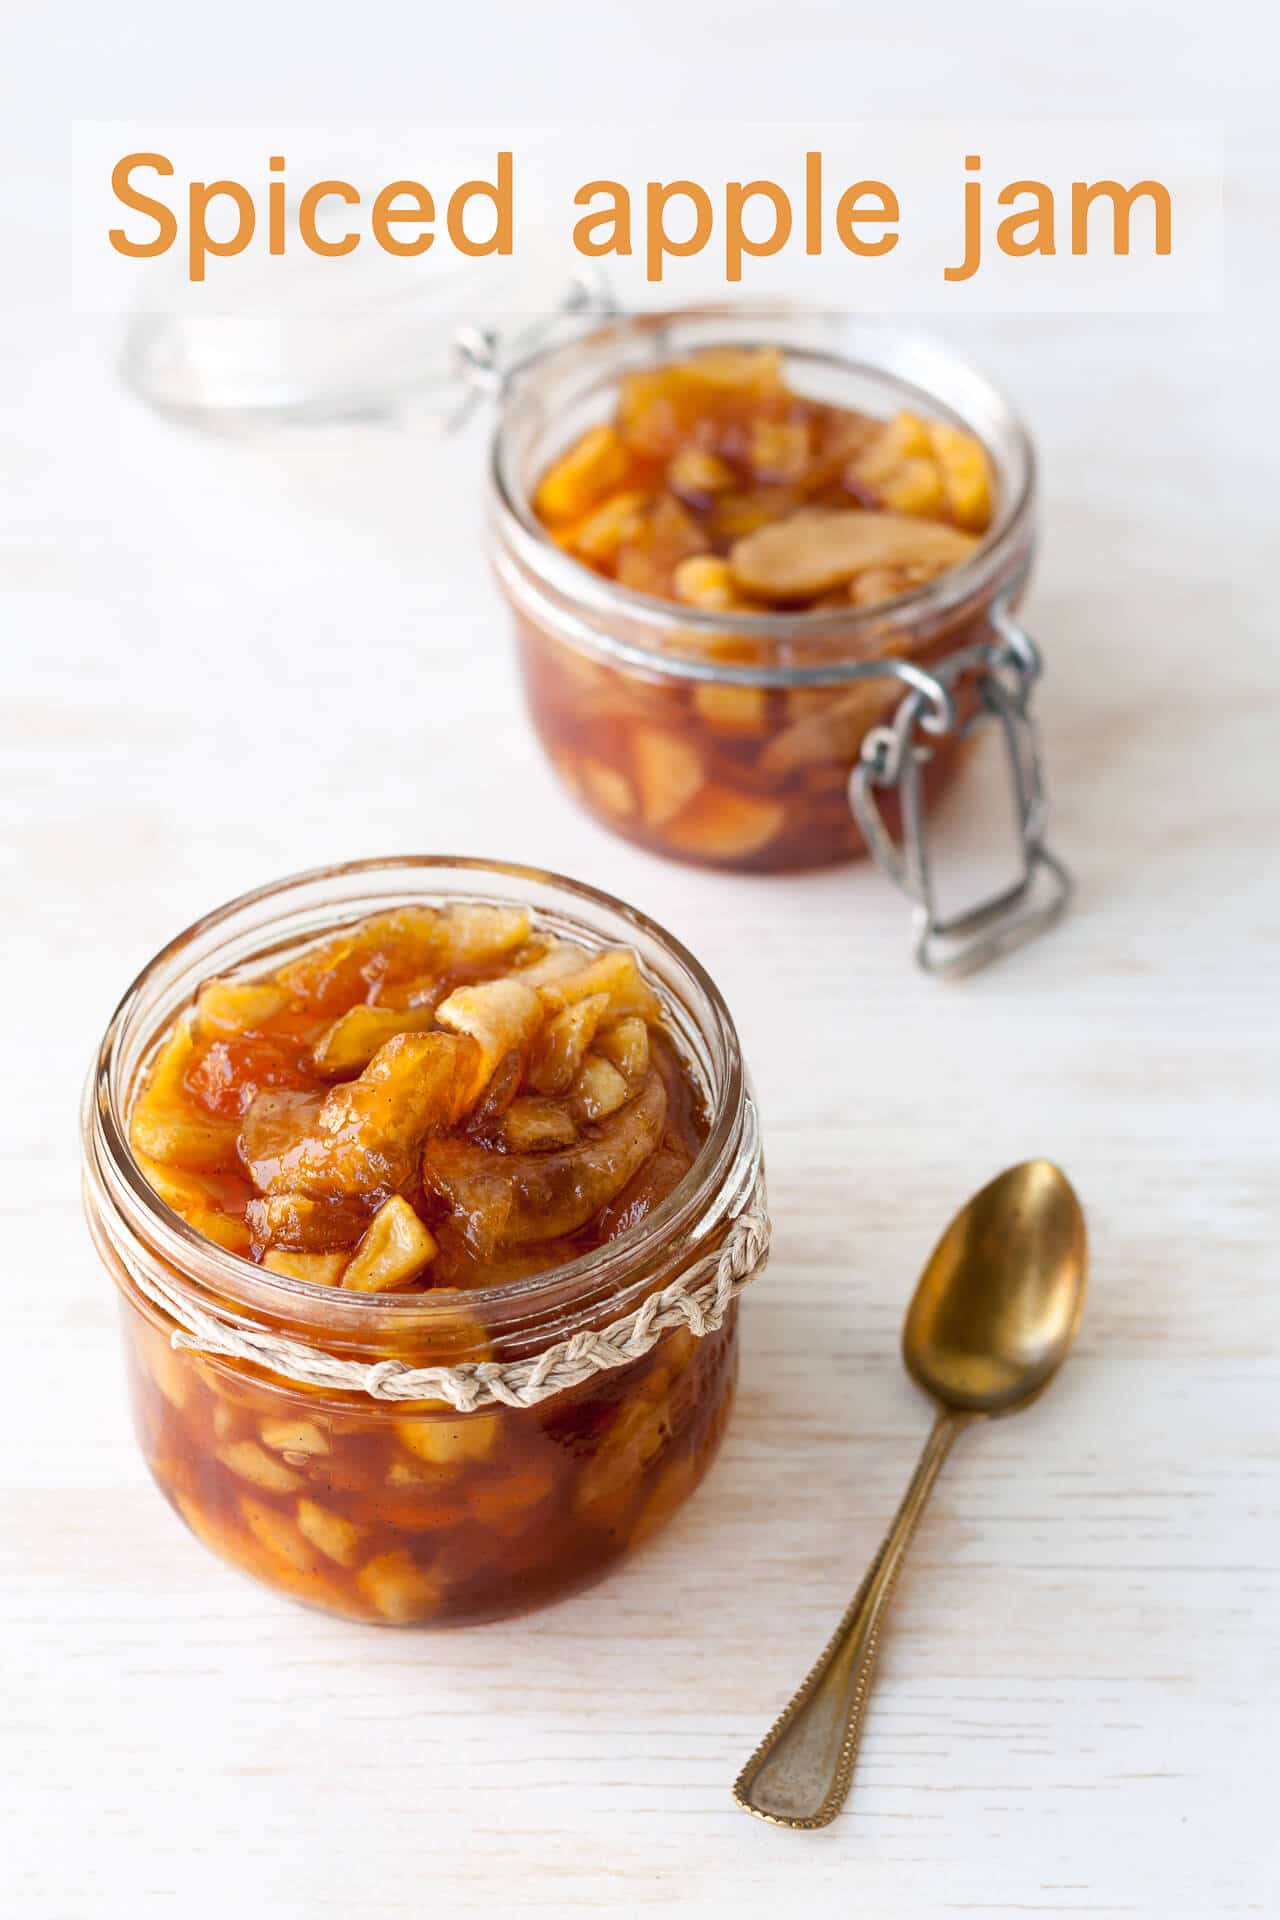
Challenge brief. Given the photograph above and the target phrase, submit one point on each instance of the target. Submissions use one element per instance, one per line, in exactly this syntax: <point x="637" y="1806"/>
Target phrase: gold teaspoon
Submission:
<point x="993" y="1318"/>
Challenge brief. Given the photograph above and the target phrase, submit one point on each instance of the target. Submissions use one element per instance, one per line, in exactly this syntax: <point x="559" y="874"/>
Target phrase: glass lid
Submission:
<point x="296" y="345"/>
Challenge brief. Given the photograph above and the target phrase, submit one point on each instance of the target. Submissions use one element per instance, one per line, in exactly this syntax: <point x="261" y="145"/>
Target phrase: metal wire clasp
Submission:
<point x="486" y="358"/>
<point x="1001" y="674"/>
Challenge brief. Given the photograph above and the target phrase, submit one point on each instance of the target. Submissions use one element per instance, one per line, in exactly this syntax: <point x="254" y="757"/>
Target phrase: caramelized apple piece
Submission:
<point x="248" y="1461"/>
<point x="753" y="372"/>
<point x="353" y="1039"/>
<point x="362" y="1139"/>
<point x="511" y="1502"/>
<point x="534" y="1123"/>
<point x="695" y="476"/>
<point x="165" y="1125"/>
<point x="667" y="536"/>
<point x="299" y="1223"/>
<point x="598" y="535"/>
<point x="394" y="1250"/>
<point x="563" y="1042"/>
<point x="628" y="1446"/>
<point x="293" y="1436"/>
<point x="166" y="1076"/>
<point x="609" y="789"/>
<point x="504" y="1084"/>
<point x="171" y="1370"/>
<point x="445" y="1440"/>
<point x="704" y="580"/>
<point x="669" y="1491"/>
<point x="656" y="407"/>
<point x="878" y="584"/>
<point x="779" y="450"/>
<point x="186" y="1192"/>
<point x="740" y="710"/>
<point x="599" y="1089"/>
<point x="222" y="1228"/>
<point x="516" y="1198"/>
<point x="614" y="971"/>
<point x="594" y="466"/>
<point x="627" y="1045"/>
<point x="966" y="475"/>
<point x="398" y="1588"/>
<point x="337" y="1538"/>
<point x="916" y="487"/>
<point x="903" y="438"/>
<point x="277" y="1534"/>
<point x="501" y="1016"/>
<point x="723" y="824"/>
<point x="815" y="551"/>
<point x="832" y="730"/>
<point x="344" y="966"/>
<point x="320" y="1269"/>
<point x="559" y="957"/>
<point x="668" y="771"/>
<point x="929" y="468"/>
<point x="226" y="1074"/>
<point x="236" y="1006"/>
<point x="398" y="945"/>
<point x="735" y="515"/>
<point x="474" y="933"/>
<point x="655" y="1180"/>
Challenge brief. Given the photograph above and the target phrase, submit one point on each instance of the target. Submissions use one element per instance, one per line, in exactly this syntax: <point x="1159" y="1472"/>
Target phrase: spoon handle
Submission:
<point x="799" y="1774"/>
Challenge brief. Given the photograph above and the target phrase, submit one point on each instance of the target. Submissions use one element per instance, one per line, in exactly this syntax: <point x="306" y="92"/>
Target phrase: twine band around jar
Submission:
<point x="698" y="1300"/>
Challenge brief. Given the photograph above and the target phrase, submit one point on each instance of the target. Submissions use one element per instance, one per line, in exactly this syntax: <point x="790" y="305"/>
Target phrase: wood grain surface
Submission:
<point x="228" y="662"/>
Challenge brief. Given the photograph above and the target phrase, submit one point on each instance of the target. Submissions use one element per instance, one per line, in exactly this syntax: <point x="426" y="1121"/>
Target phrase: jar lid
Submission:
<point x="299" y="346"/>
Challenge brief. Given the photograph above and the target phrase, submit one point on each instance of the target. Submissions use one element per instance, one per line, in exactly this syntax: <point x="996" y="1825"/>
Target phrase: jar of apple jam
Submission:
<point x="764" y="563"/>
<point x="763" y="567"/>
<point x="428" y="1187"/>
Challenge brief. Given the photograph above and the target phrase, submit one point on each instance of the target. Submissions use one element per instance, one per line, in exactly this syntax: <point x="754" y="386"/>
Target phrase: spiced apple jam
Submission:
<point x="444" y="1130"/>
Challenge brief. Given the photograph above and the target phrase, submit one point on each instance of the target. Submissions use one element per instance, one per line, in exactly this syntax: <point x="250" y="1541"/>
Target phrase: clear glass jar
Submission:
<point x="759" y="717"/>
<point x="409" y="1512"/>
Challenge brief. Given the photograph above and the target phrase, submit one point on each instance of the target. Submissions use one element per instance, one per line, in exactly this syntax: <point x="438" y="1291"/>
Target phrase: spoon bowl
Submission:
<point x="996" y="1309"/>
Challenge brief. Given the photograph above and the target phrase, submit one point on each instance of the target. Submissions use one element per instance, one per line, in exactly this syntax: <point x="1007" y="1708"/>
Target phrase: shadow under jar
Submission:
<point x="409" y="1511"/>
<point x="728" y="738"/>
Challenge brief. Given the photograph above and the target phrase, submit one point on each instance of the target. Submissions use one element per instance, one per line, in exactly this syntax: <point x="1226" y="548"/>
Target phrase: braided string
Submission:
<point x="698" y="1299"/>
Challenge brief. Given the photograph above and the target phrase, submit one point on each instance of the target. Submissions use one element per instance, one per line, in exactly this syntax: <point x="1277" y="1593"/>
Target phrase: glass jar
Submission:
<point x="409" y="1511"/>
<point x="726" y="738"/>
<point x="745" y="741"/>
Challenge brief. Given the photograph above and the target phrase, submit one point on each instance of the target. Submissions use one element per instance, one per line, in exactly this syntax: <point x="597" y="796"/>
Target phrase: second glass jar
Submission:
<point x="728" y="739"/>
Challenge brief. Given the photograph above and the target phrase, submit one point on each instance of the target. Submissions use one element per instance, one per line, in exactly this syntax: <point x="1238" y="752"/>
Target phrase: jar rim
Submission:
<point x="124" y="1198"/>
<point x="922" y="364"/>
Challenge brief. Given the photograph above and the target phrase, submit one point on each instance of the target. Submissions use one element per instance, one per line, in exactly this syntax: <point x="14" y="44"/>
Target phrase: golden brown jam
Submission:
<point x="435" y="1097"/>
<point x="430" y="1101"/>
<point x="717" y="487"/>
<point x="411" y="1514"/>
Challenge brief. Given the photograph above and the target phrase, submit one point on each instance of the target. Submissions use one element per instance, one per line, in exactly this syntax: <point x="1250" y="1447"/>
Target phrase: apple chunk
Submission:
<point x="500" y="1016"/>
<point x="363" y="1138"/>
<point x="394" y="1250"/>
<point x="353" y="1039"/>
<point x="516" y="1198"/>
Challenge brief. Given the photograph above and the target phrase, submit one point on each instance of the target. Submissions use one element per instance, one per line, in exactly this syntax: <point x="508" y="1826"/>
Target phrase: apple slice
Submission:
<point x="394" y="1250"/>
<point x="362" y="1139"/>
<point x="516" y="1198"/>
<point x="723" y="824"/>
<point x="668" y="772"/>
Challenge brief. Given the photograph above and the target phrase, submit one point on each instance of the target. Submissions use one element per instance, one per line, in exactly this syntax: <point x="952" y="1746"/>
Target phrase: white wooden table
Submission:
<point x="228" y="663"/>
